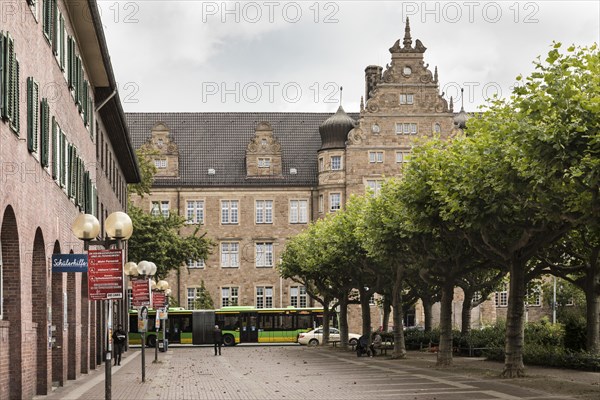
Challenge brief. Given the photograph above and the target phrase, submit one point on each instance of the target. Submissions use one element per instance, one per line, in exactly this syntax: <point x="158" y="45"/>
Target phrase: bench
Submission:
<point x="385" y="346"/>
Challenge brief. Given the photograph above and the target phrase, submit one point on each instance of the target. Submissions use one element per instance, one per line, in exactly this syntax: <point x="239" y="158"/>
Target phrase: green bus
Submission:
<point x="240" y="324"/>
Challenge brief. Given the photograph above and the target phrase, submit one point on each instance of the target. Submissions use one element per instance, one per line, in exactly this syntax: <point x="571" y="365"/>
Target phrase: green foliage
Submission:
<point x="575" y="333"/>
<point x="203" y="299"/>
<point x="157" y="239"/>
<point x="147" y="171"/>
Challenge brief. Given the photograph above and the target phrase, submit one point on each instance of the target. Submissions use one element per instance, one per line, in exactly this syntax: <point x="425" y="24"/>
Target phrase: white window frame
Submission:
<point x="230" y="254"/>
<point x="155" y="208"/>
<point x="264" y="162"/>
<point x="298" y="296"/>
<point x="230" y="212"/>
<point x="230" y="296"/>
<point x="195" y="211"/>
<point x="374" y="185"/>
<point x="501" y="297"/>
<point x="333" y="207"/>
<point x="406" y="128"/>
<point x="264" y="297"/>
<point x="191" y="299"/>
<point x="165" y="208"/>
<point x="375" y="157"/>
<point x="264" y="211"/>
<point x="298" y="211"/>
<point x="407" y="99"/>
<point x="321" y="164"/>
<point x="403" y="156"/>
<point x="160" y="163"/>
<point x="264" y="254"/>
<point x="337" y="165"/>
<point x="196" y="264"/>
<point x="321" y="203"/>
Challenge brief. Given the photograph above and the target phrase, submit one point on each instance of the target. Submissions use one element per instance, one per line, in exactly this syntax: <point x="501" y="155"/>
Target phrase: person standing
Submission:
<point x="218" y="338"/>
<point x="119" y="337"/>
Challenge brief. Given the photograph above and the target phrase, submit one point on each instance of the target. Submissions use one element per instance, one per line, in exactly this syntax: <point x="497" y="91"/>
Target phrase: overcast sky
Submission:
<point x="293" y="56"/>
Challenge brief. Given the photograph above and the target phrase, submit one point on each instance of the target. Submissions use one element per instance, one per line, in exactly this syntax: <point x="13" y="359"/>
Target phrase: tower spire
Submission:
<point x="341" y="92"/>
<point x="462" y="99"/>
<point x="407" y="39"/>
<point x="451" y="104"/>
<point x="435" y="75"/>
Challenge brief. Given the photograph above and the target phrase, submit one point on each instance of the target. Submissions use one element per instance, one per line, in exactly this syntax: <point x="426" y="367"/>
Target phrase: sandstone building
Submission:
<point x="64" y="149"/>
<point x="253" y="180"/>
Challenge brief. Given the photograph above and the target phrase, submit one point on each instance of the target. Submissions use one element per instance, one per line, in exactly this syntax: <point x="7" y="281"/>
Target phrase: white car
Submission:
<point x="314" y="337"/>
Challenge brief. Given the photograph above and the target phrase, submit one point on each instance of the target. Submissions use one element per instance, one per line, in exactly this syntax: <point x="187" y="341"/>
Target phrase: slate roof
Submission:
<point x="219" y="140"/>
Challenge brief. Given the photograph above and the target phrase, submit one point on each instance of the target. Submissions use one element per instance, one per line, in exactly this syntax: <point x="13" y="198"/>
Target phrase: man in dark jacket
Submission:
<point x="218" y="338"/>
<point x="119" y="338"/>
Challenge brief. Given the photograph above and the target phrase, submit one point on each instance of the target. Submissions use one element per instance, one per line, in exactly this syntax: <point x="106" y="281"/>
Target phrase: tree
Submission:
<point x="203" y="299"/>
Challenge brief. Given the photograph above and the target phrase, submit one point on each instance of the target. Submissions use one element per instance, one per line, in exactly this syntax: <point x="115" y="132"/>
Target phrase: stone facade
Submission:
<point x="50" y="139"/>
<point x="246" y="159"/>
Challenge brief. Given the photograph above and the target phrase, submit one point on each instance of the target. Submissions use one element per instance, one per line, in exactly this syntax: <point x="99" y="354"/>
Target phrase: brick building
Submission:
<point x="65" y="149"/>
<point x="253" y="180"/>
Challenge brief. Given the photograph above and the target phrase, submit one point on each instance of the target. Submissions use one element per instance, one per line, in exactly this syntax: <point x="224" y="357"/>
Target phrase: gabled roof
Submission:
<point x="219" y="141"/>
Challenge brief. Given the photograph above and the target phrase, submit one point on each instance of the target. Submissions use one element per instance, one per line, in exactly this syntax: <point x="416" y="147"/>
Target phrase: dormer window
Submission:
<point x="264" y="142"/>
<point x="160" y="163"/>
<point x="264" y="162"/>
<point x="159" y="143"/>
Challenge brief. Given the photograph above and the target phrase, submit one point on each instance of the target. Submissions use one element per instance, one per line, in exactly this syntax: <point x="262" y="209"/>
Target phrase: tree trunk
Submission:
<point x="326" y="314"/>
<point x="428" y="313"/>
<point x="344" y="321"/>
<point x="444" y="356"/>
<point x="399" y="344"/>
<point x="592" y="298"/>
<point x="387" y="309"/>
<point x="515" y="323"/>
<point x="365" y="309"/>
<point x="467" y="306"/>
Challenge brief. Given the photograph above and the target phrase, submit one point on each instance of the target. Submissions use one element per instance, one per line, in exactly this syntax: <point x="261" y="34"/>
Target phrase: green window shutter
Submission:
<point x="33" y="105"/>
<point x="78" y="82"/>
<point x="84" y="98"/>
<point x="55" y="32"/>
<point x="45" y="134"/>
<point x="47" y="18"/>
<point x="55" y="149"/>
<point x="15" y="122"/>
<point x="3" y="80"/>
<point x="63" y="161"/>
<point x="70" y="61"/>
<point x="92" y="123"/>
<point x="62" y="42"/>
<point x="73" y="172"/>
<point x="9" y="61"/>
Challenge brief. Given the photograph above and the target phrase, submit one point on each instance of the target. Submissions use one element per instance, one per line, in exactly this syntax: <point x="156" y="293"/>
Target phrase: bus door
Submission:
<point x="174" y="334"/>
<point x="249" y="328"/>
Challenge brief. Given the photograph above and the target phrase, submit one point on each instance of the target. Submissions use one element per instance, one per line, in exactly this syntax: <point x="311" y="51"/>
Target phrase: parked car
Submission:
<point x="314" y="337"/>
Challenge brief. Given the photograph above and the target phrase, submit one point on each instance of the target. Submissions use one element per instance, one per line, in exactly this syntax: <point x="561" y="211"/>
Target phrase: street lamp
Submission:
<point x="118" y="227"/>
<point x="144" y="270"/>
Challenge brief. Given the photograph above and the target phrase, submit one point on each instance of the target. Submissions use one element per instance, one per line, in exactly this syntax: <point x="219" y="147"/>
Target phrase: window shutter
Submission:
<point x="9" y="61"/>
<point x="63" y="161"/>
<point x="3" y="80"/>
<point x="45" y="134"/>
<point x="55" y="27"/>
<point x="15" y="125"/>
<point x="91" y="112"/>
<point x="70" y="61"/>
<point x="55" y="148"/>
<point x="62" y="42"/>
<point x="48" y="18"/>
<point x="84" y="101"/>
<point x="33" y="105"/>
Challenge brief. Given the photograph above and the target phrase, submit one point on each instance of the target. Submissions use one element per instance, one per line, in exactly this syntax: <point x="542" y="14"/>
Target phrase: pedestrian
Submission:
<point x="377" y="343"/>
<point x="119" y="337"/>
<point x="218" y="338"/>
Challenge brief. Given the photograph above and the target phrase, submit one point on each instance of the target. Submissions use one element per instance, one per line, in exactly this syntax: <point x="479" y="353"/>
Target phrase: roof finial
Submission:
<point x="362" y="103"/>
<point x="462" y="99"/>
<point x="451" y="104"/>
<point x="435" y="75"/>
<point x="407" y="39"/>
<point x="341" y="90"/>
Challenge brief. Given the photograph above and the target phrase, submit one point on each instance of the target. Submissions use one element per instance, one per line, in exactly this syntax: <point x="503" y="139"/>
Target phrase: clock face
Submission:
<point x="375" y="128"/>
<point x="407" y="71"/>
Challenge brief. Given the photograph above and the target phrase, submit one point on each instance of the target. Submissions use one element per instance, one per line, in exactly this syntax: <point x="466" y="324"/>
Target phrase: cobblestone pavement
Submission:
<point x="294" y="372"/>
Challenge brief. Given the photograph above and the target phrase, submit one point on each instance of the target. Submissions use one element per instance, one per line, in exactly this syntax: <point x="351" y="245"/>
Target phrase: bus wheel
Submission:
<point x="313" y="342"/>
<point x="151" y="341"/>
<point x="228" y="340"/>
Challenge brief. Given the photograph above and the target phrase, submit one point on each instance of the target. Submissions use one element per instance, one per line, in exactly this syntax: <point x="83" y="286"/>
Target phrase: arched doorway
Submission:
<point x="40" y="312"/>
<point x="11" y="283"/>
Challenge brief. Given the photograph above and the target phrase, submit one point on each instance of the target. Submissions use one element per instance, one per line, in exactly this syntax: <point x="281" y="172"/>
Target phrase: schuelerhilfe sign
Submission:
<point x="105" y="274"/>
<point x="69" y="263"/>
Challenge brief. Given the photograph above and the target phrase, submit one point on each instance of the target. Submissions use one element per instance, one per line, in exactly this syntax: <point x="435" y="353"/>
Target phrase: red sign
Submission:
<point x="140" y="292"/>
<point x="105" y="274"/>
<point x="159" y="299"/>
